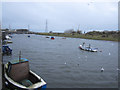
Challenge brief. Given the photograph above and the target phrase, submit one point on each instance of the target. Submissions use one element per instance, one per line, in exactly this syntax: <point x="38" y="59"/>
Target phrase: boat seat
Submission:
<point x="26" y="82"/>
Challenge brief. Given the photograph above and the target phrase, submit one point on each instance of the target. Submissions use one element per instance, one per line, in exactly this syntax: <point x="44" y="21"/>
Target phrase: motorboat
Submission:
<point x="88" y="48"/>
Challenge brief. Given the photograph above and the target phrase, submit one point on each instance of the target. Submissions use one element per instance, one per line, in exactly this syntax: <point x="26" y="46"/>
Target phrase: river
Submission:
<point x="63" y="65"/>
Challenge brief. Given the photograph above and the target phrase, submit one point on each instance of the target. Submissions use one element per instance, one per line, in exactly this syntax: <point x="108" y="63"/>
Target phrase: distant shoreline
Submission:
<point x="83" y="36"/>
<point x="94" y="35"/>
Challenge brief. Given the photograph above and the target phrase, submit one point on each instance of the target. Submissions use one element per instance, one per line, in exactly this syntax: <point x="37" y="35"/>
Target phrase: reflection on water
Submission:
<point x="63" y="65"/>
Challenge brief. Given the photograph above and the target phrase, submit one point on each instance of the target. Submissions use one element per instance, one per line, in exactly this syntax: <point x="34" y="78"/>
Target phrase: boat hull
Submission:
<point x="14" y="85"/>
<point x="88" y="49"/>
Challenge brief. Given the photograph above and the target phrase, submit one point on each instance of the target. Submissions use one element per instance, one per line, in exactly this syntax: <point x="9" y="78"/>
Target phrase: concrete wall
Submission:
<point x="0" y="47"/>
<point x="0" y="60"/>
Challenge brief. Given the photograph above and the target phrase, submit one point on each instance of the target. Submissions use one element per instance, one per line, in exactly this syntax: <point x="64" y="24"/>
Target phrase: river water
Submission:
<point x="63" y="65"/>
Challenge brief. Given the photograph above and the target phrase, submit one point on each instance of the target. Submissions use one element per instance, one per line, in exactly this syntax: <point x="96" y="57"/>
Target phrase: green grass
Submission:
<point x="75" y="35"/>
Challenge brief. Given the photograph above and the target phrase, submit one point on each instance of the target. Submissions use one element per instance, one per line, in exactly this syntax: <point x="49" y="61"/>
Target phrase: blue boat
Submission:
<point x="6" y="50"/>
<point x="18" y="76"/>
<point x="28" y="35"/>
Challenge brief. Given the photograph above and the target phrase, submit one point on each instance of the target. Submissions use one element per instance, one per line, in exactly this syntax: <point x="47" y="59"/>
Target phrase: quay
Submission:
<point x="1" y="60"/>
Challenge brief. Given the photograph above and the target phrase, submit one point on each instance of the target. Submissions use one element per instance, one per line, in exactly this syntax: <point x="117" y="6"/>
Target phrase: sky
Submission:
<point x="60" y="16"/>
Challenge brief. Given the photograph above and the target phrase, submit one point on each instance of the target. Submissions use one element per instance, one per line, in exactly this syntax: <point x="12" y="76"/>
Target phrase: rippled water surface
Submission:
<point x="63" y="65"/>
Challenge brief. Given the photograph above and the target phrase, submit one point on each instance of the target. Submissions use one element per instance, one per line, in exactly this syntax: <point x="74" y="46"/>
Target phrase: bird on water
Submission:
<point x="102" y="69"/>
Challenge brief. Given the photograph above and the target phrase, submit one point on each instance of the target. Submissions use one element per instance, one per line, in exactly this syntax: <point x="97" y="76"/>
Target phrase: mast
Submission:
<point x="9" y="27"/>
<point x="19" y="56"/>
<point x="28" y="27"/>
<point x="78" y="27"/>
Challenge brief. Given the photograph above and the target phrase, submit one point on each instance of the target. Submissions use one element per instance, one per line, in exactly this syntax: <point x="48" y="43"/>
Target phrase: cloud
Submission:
<point x="60" y="0"/>
<point x="61" y="16"/>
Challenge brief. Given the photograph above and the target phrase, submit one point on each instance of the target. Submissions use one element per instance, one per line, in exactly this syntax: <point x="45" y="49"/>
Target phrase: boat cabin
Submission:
<point x="18" y="72"/>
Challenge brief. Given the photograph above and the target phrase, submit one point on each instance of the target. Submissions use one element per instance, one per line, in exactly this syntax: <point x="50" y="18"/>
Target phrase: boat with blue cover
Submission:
<point x="6" y="50"/>
<point x="18" y="76"/>
<point x="28" y="35"/>
<point x="52" y="38"/>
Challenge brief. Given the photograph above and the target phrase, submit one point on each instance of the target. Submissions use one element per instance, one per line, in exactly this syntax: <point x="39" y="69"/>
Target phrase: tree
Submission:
<point x="69" y="31"/>
<point x="79" y="32"/>
<point x="50" y="32"/>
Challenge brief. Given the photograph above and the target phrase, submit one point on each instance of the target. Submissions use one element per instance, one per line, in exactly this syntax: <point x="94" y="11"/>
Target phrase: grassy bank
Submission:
<point x="84" y="36"/>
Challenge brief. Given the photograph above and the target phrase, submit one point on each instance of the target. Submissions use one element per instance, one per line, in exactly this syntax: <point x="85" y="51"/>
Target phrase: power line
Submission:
<point x="46" y="28"/>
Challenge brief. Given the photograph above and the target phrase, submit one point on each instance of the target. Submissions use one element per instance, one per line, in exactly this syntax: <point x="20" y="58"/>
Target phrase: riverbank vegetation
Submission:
<point x="96" y="35"/>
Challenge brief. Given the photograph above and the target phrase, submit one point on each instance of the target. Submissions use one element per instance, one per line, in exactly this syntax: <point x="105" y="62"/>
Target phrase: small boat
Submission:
<point x="52" y="38"/>
<point x="6" y="50"/>
<point x="8" y="41"/>
<point x="88" y="48"/>
<point x="10" y="36"/>
<point x="64" y="38"/>
<point x="47" y="37"/>
<point x="7" y="37"/>
<point x="28" y="35"/>
<point x="18" y="76"/>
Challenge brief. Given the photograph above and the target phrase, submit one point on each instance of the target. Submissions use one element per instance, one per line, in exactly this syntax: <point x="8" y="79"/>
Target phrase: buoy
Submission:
<point x="109" y="53"/>
<point x="102" y="69"/>
<point x="100" y="51"/>
<point x="65" y="62"/>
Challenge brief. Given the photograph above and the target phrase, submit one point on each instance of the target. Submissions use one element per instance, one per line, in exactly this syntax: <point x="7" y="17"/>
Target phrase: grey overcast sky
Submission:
<point x="61" y="16"/>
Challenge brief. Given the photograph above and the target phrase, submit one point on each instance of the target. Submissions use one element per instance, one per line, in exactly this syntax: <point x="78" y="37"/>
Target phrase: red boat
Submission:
<point x="52" y="38"/>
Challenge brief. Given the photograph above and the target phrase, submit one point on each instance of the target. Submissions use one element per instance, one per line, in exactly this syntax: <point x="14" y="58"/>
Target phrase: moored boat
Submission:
<point x="8" y="37"/>
<point x="52" y="38"/>
<point x="6" y="50"/>
<point x="18" y="76"/>
<point x="7" y="41"/>
<point x="47" y="37"/>
<point x="88" y="48"/>
<point x="28" y="35"/>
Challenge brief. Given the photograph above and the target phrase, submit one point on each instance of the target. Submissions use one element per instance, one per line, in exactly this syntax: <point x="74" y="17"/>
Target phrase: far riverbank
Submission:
<point x="85" y="36"/>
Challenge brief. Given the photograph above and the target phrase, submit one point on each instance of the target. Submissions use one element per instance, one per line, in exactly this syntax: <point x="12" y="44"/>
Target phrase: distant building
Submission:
<point x="22" y="31"/>
<point x="5" y="30"/>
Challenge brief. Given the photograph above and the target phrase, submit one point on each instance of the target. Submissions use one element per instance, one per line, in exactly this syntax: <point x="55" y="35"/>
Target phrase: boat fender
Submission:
<point x="6" y="83"/>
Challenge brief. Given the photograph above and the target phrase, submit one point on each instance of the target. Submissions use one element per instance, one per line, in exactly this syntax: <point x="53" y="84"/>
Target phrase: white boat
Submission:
<point x="18" y="76"/>
<point x="7" y="37"/>
<point x="88" y="48"/>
